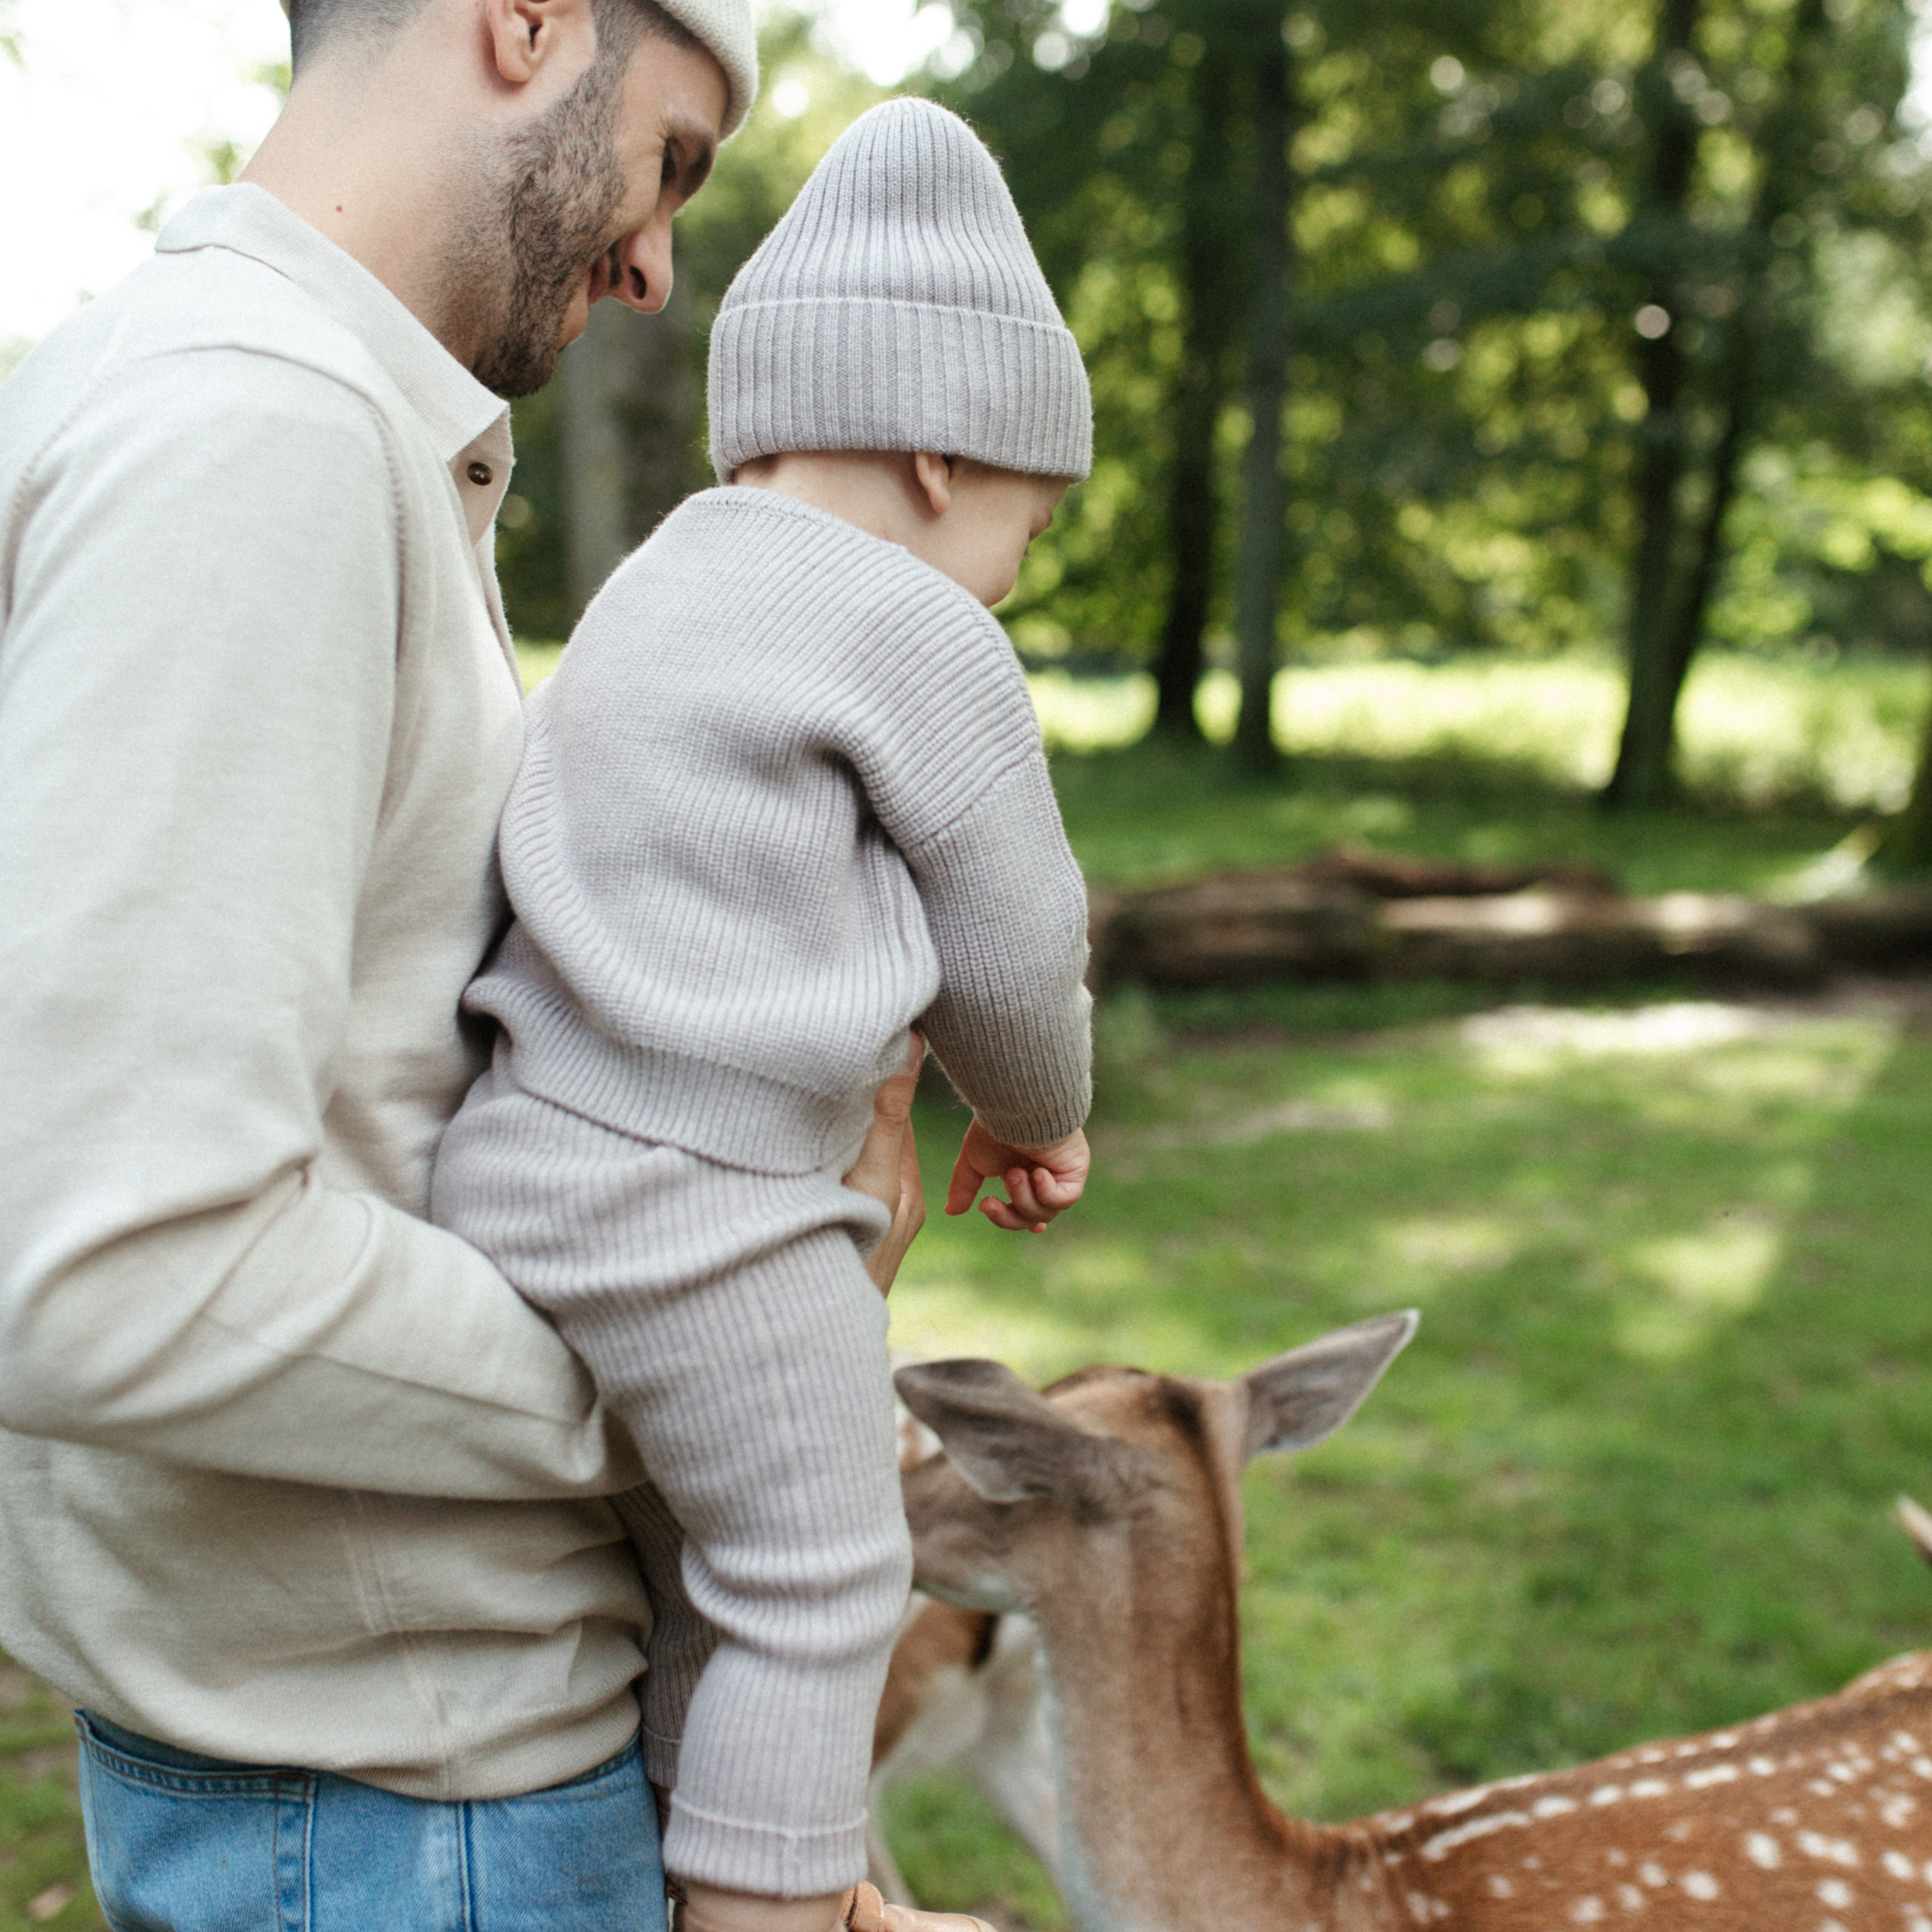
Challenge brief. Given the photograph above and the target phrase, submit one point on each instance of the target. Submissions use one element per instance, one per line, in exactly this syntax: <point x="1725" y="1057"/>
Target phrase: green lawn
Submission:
<point x="43" y="1862"/>
<point x="1634" y="1475"/>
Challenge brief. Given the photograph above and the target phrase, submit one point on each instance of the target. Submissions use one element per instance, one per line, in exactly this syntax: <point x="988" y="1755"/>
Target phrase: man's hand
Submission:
<point x="1040" y="1181"/>
<point x="888" y="1168"/>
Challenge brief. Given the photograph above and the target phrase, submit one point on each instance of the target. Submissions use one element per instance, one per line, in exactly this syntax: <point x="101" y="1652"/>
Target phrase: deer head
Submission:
<point x="1099" y="1449"/>
<point x="1108" y="1509"/>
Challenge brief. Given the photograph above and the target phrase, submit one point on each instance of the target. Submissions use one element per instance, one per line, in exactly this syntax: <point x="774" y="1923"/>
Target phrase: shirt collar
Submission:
<point x="467" y="424"/>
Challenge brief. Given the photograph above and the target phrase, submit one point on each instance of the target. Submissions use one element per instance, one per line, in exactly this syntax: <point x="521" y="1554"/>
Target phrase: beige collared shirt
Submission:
<point x="288" y="1474"/>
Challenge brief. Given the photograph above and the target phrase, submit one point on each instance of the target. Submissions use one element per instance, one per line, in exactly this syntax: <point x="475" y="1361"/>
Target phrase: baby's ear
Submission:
<point x="933" y="477"/>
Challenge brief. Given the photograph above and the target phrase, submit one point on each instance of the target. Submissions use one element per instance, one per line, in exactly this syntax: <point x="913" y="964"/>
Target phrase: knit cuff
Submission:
<point x="768" y="1860"/>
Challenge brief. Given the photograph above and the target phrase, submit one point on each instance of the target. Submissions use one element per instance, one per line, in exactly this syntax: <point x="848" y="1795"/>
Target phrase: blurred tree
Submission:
<point x="1263" y="531"/>
<point x="1910" y="847"/>
<point x="1654" y="242"/>
<point x="1212" y="263"/>
<point x="628" y="405"/>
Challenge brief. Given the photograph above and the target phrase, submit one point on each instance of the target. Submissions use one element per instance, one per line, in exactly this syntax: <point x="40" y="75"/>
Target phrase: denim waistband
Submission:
<point x="170" y="1757"/>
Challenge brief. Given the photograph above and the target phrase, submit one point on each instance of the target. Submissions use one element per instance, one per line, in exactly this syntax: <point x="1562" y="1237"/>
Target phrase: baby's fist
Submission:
<point x="1040" y="1181"/>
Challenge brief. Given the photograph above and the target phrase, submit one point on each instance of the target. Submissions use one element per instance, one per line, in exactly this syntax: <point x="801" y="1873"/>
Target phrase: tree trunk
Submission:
<point x="1908" y="840"/>
<point x="1777" y="191"/>
<point x="1643" y="777"/>
<point x="1263" y="535"/>
<point x="629" y="408"/>
<point x="1200" y="390"/>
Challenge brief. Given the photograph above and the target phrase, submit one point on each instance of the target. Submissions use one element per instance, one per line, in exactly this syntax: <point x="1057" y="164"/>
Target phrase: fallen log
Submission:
<point x="1570" y="938"/>
<point x="1234" y="929"/>
<point x="1876" y="931"/>
<point x="1394" y="875"/>
<point x="1242" y="928"/>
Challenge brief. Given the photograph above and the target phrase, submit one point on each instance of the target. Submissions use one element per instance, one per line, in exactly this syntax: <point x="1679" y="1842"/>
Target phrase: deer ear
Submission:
<point x="1299" y="1398"/>
<point x="1005" y="1441"/>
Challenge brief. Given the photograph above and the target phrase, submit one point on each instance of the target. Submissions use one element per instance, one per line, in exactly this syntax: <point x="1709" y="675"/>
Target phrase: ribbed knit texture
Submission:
<point x="897" y="305"/>
<point x="785" y="798"/>
<point x="729" y="1322"/>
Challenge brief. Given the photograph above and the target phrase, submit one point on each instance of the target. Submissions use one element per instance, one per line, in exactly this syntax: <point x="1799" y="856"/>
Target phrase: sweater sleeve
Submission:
<point x="197" y="676"/>
<point x="953" y="765"/>
<point x="1008" y="912"/>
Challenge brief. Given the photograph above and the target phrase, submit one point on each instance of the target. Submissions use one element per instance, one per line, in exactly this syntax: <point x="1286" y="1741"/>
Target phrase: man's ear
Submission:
<point x="933" y="478"/>
<point x="1299" y="1398"/>
<point x="1010" y="1443"/>
<point x="525" y="35"/>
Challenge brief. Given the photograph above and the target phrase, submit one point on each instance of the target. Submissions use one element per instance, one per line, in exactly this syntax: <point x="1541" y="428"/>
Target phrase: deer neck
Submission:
<point x="1163" y="1826"/>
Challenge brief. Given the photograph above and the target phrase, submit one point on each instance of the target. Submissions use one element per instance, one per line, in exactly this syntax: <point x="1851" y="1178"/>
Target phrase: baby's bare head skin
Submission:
<point x="968" y="519"/>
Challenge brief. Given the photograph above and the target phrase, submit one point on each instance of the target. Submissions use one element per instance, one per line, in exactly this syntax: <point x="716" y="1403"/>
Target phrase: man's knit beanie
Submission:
<point x="897" y="305"/>
<point x="725" y="27"/>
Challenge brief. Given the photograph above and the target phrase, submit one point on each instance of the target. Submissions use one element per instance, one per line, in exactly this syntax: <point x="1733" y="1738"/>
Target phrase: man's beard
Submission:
<point x="513" y="276"/>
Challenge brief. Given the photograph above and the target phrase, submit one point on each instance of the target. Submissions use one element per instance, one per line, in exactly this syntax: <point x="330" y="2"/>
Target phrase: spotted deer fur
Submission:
<point x="1110" y="1511"/>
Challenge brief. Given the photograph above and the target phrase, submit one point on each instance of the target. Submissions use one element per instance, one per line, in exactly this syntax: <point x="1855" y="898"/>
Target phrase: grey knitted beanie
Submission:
<point x="897" y="305"/>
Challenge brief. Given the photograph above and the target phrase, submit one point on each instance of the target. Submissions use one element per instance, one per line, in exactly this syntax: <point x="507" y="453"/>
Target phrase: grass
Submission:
<point x="1634" y="1477"/>
<point x="1754" y="728"/>
<point x="42" y="1861"/>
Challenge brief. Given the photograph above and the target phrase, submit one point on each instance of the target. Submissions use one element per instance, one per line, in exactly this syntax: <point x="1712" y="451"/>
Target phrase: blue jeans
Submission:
<point x="179" y="1842"/>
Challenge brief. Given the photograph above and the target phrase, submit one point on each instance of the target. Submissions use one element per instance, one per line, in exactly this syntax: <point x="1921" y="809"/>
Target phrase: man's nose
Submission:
<point x="643" y="277"/>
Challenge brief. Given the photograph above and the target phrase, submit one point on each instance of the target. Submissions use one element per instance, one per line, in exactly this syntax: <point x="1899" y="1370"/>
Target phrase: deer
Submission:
<point x="1107" y="1510"/>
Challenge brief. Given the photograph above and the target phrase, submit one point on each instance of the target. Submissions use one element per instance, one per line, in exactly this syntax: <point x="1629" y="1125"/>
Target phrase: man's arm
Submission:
<point x="196" y="683"/>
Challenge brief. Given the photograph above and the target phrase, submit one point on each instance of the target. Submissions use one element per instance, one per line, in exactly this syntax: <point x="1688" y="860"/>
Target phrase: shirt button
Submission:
<point x="479" y="475"/>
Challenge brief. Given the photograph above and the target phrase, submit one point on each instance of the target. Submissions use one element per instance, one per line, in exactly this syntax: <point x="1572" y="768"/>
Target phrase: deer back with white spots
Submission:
<point x="1109" y="1511"/>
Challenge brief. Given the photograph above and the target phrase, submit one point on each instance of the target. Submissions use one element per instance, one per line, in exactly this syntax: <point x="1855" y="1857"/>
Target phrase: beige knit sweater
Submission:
<point x="784" y="799"/>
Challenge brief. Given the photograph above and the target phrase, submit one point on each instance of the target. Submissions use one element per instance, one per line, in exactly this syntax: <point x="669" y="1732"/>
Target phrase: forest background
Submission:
<point x="1544" y="330"/>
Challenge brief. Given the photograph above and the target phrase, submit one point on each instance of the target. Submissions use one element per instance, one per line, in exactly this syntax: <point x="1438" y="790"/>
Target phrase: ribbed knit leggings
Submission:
<point x="727" y="1318"/>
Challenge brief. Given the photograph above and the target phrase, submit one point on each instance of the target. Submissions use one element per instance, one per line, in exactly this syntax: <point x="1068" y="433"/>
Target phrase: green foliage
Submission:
<point x="1473" y="240"/>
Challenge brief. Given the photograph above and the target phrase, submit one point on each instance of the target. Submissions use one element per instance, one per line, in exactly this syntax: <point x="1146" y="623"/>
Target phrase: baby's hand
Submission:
<point x="1040" y="1181"/>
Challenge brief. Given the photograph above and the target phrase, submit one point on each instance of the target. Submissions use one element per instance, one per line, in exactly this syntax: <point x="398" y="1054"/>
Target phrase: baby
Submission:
<point x="783" y="801"/>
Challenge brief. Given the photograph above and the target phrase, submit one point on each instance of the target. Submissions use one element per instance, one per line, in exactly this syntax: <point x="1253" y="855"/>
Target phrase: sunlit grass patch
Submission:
<point x="1754" y="729"/>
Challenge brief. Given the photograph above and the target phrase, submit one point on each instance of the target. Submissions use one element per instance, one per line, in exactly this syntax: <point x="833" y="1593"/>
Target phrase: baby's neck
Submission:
<point x="874" y="491"/>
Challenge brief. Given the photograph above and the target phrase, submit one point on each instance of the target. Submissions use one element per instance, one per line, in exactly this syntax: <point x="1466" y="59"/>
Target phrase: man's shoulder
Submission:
<point x="186" y="343"/>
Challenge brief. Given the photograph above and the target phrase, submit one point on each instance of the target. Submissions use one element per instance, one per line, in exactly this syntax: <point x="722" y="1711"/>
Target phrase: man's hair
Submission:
<point x="369" y="25"/>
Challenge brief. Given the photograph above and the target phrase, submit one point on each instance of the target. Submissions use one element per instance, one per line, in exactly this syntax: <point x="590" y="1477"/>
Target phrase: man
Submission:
<point x="289" y="1477"/>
